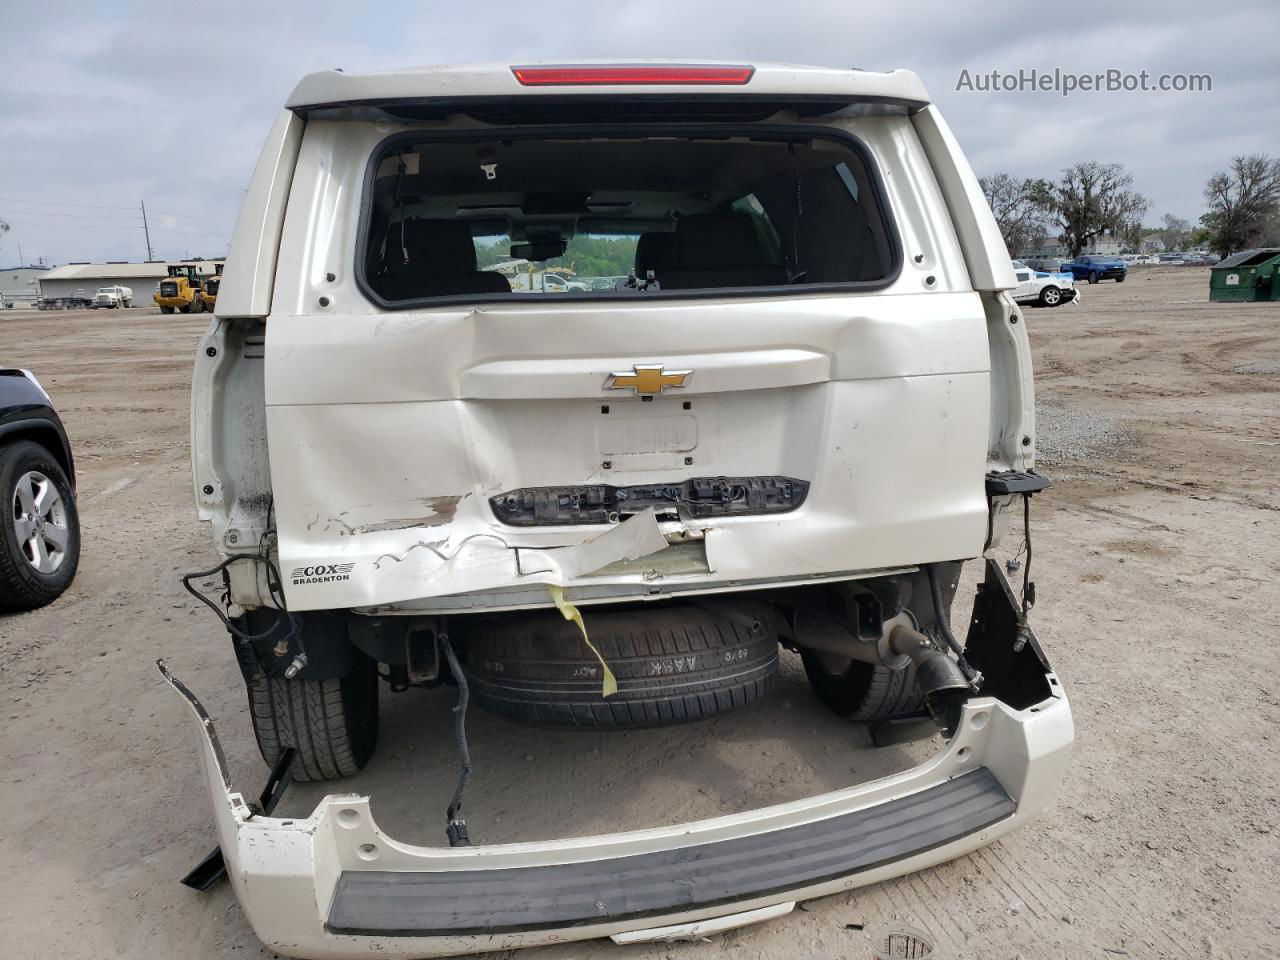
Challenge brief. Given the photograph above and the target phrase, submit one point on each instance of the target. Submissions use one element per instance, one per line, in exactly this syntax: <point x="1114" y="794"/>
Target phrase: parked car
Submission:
<point x="1093" y="268"/>
<point x="607" y="283"/>
<point x="1044" y="264"/>
<point x="1143" y="260"/>
<point x="615" y="509"/>
<point x="1172" y="260"/>
<point x="1041" y="288"/>
<point x="39" y="528"/>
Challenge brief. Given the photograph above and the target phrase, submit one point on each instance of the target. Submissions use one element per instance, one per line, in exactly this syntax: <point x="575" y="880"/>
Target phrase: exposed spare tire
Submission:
<point x="673" y="663"/>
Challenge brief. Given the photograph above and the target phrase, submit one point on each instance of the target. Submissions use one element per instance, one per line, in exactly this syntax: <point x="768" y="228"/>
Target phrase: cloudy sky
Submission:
<point x="103" y="106"/>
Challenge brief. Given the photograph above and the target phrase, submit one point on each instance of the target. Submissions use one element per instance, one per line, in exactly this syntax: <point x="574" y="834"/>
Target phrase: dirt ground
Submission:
<point x="1159" y="604"/>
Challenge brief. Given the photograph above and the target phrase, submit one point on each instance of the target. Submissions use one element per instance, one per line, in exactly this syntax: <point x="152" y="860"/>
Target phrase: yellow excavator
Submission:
<point x="180" y="290"/>
<point x="209" y="291"/>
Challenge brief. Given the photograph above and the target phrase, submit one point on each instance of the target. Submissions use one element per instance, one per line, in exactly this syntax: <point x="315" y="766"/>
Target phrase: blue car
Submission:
<point x="1094" y="268"/>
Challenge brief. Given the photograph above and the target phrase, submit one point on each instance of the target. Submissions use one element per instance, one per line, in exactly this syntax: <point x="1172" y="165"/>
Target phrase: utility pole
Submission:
<point x="145" y="230"/>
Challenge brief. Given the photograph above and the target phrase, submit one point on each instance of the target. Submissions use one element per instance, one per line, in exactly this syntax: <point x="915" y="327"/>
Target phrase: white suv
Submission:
<point x="808" y="403"/>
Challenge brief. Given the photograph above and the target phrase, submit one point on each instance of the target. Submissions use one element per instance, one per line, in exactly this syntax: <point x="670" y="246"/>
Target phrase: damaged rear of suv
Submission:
<point x="588" y="390"/>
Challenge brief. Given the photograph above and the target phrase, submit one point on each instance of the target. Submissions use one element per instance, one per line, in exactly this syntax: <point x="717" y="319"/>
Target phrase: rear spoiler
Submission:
<point x="602" y="107"/>
<point x="483" y="87"/>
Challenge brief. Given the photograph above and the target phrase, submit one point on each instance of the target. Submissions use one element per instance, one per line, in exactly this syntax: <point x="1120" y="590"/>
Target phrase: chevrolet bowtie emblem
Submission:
<point x="647" y="379"/>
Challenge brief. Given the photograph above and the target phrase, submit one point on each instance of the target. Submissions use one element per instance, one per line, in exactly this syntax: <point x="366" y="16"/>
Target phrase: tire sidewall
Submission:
<point x="20" y="581"/>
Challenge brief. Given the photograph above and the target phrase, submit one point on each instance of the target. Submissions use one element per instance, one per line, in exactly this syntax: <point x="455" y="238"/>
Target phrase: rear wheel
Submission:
<point x="39" y="527"/>
<point x="1094" y="278"/>
<point x="332" y="723"/>
<point x="166" y="309"/>
<point x="864" y="691"/>
<point x="672" y="664"/>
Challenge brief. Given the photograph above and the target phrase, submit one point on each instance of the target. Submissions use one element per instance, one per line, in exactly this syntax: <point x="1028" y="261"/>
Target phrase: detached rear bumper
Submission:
<point x="334" y="885"/>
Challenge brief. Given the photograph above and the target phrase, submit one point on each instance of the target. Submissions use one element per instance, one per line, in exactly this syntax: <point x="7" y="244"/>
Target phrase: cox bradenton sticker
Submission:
<point x="321" y="573"/>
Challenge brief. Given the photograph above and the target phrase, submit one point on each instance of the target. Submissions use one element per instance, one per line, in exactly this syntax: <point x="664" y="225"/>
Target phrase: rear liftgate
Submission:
<point x="333" y="885"/>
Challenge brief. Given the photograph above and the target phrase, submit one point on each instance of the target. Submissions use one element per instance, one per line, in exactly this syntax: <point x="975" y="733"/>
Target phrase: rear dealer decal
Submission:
<point x="321" y="573"/>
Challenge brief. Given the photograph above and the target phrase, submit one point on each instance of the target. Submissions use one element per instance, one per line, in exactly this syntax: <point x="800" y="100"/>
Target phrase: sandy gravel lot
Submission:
<point x="1156" y="552"/>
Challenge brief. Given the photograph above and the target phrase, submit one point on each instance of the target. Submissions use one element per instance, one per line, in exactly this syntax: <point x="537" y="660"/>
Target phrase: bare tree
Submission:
<point x="4" y="228"/>
<point x="1271" y="232"/>
<point x="1175" y="232"/>
<point x="1243" y="203"/>
<point x="1130" y="235"/>
<point x="1015" y="202"/>
<point x="1092" y="199"/>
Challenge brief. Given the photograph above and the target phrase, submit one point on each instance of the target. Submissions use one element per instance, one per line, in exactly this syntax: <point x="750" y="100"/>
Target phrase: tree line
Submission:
<point x="1091" y="199"/>
<point x="589" y="255"/>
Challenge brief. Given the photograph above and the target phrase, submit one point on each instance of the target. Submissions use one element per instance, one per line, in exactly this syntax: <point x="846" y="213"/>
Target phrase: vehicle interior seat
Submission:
<point x="720" y="250"/>
<point x="655" y="251"/>
<point x="439" y="260"/>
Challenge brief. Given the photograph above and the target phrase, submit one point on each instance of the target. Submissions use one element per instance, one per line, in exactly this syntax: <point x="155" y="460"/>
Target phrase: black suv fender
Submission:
<point x="26" y="413"/>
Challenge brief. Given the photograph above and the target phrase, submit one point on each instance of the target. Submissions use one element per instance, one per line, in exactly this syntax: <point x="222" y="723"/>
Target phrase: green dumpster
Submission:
<point x="1247" y="275"/>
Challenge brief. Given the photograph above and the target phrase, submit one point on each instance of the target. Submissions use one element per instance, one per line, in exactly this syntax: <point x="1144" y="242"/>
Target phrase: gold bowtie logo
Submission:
<point x="646" y="379"/>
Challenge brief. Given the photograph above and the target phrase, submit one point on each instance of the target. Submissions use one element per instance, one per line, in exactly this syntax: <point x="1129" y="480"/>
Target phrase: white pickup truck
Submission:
<point x="780" y="438"/>
<point x="111" y="298"/>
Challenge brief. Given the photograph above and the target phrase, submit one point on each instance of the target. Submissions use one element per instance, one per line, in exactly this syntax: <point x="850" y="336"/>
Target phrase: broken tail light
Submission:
<point x="691" y="499"/>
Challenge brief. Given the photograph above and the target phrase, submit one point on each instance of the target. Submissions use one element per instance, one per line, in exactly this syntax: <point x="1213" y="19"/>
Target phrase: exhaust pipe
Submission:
<point x="938" y="677"/>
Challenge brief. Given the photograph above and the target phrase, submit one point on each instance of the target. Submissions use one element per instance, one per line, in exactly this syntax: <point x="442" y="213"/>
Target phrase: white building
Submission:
<point x="84" y="279"/>
<point x="19" y="284"/>
<point x="1103" y="246"/>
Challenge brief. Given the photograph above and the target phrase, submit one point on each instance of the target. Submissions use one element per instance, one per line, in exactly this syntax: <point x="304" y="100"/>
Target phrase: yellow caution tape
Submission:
<point x="610" y="685"/>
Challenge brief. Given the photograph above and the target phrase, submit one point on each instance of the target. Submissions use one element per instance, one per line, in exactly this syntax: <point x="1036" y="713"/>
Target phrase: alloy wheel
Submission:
<point x="40" y="522"/>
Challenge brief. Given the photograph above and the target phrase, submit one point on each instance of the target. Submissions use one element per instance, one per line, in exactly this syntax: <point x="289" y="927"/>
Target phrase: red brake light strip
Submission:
<point x="623" y="75"/>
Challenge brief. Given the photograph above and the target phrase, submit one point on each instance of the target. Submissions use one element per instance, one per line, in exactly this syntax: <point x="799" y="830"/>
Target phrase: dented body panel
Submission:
<point x="388" y="432"/>
<point x="820" y="386"/>
<point x="871" y="386"/>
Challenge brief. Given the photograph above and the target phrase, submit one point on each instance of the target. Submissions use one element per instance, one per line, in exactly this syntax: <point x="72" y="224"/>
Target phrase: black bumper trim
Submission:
<point x="458" y="902"/>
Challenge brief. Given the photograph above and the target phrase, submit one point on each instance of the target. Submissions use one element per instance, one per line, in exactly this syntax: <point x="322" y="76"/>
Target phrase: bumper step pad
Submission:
<point x="461" y="902"/>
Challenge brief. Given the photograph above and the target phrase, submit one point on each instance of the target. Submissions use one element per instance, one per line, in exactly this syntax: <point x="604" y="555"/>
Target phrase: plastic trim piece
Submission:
<point x="397" y="903"/>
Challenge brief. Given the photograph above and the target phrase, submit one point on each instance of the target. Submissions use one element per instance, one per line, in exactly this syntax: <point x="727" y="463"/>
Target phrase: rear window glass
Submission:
<point x="633" y="215"/>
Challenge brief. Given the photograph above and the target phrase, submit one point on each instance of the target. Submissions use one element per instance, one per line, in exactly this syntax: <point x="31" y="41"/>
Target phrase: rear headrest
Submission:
<point x="655" y="251"/>
<point x="713" y="241"/>
<point x="436" y="248"/>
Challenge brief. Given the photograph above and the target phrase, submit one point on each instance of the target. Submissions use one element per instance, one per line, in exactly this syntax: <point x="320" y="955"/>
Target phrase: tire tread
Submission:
<point x="313" y="717"/>
<point x="626" y="643"/>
